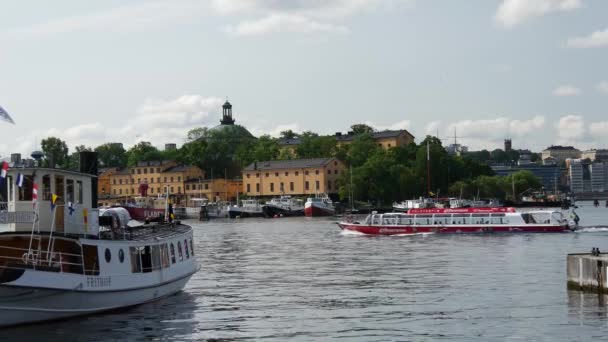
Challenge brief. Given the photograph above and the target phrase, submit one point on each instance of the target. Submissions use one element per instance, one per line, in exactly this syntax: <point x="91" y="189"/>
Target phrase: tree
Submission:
<point x="314" y="146"/>
<point x="55" y="152"/>
<point x="288" y="134"/>
<point x="362" y="148"/>
<point x="111" y="155"/>
<point x="361" y="128"/>
<point x="142" y="151"/>
<point x="197" y="133"/>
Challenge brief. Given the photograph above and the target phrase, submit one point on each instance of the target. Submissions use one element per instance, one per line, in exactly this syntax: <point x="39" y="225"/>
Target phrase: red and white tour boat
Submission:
<point x="320" y="205"/>
<point x="463" y="220"/>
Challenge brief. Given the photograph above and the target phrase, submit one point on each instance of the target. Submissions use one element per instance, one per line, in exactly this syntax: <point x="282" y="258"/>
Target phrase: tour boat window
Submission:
<point x="135" y="259"/>
<point x="91" y="262"/>
<point x="59" y="187"/>
<point x="164" y="255"/>
<point x="179" y="251"/>
<point x="156" y="259"/>
<point x="172" y="254"/>
<point x="108" y="255"/>
<point x="186" y="249"/>
<point x="121" y="256"/>
<point x="146" y="259"/>
<point x="191" y="247"/>
<point x="25" y="191"/>
<point x="79" y="192"/>
<point x="495" y="220"/>
<point x="69" y="193"/>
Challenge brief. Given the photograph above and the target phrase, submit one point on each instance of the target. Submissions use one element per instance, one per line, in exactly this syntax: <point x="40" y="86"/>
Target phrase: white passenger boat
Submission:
<point x="60" y="259"/>
<point x="414" y="204"/>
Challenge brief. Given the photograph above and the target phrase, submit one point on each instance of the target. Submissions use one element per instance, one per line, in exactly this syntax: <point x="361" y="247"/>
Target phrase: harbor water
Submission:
<point x="300" y="279"/>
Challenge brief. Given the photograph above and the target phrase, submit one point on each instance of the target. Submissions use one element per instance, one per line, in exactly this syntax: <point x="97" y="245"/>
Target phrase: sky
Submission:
<point x="91" y="72"/>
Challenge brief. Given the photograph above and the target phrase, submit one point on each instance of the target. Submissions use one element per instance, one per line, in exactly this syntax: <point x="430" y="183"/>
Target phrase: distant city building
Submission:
<point x="214" y="190"/>
<point x="585" y="176"/>
<point x="292" y="177"/>
<point x="456" y="149"/>
<point x="595" y="155"/>
<point x="560" y="153"/>
<point x="548" y="174"/>
<point x="170" y="147"/>
<point x="508" y="145"/>
<point x="524" y="159"/>
<point x="550" y="161"/>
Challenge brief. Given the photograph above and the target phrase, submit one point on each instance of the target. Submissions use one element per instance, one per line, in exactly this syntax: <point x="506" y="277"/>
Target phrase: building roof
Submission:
<point x="179" y="168"/>
<point x="124" y="171"/>
<point x="153" y="163"/>
<point x="289" y="164"/>
<point x="562" y="148"/>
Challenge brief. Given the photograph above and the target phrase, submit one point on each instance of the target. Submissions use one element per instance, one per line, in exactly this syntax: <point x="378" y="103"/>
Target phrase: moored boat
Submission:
<point x="320" y="205"/>
<point x="414" y="204"/>
<point x="248" y="208"/>
<point x="60" y="259"/>
<point x="283" y="206"/>
<point x="462" y="220"/>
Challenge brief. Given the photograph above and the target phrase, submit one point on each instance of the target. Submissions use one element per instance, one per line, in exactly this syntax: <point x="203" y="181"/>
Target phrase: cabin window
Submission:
<point x="172" y="254"/>
<point x="121" y="255"/>
<point x="156" y="260"/>
<point x="79" y="192"/>
<point x="25" y="192"/>
<point x="108" y="255"/>
<point x="376" y="220"/>
<point x="91" y="261"/>
<point x="164" y="254"/>
<point x="146" y="258"/>
<point x="179" y="251"/>
<point x="69" y="194"/>
<point x="135" y="259"/>
<point x="186" y="249"/>
<point x="191" y="247"/>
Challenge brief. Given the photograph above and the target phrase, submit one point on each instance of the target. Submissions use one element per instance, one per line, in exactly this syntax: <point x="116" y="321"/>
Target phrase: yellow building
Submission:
<point x="558" y="154"/>
<point x="156" y="175"/>
<point x="214" y="190"/>
<point x="104" y="181"/>
<point x="385" y="139"/>
<point x="292" y="177"/>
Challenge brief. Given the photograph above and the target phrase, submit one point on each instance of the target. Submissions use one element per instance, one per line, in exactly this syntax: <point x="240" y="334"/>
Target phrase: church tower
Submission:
<point x="227" y="114"/>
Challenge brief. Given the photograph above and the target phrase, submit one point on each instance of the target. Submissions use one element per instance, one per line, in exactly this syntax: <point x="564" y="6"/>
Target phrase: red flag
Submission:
<point x="4" y="170"/>
<point x="34" y="194"/>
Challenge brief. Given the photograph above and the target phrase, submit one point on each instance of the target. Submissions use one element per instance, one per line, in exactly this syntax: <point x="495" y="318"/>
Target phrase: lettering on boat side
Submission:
<point x="99" y="281"/>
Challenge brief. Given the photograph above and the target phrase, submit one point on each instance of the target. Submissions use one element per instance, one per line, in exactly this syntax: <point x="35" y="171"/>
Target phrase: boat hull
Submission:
<point x="456" y="229"/>
<point x="312" y="210"/>
<point x="273" y="210"/>
<point x="21" y="305"/>
<point x="237" y="212"/>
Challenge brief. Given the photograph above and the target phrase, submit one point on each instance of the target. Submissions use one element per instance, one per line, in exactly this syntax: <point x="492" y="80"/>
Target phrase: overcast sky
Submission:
<point x="92" y="72"/>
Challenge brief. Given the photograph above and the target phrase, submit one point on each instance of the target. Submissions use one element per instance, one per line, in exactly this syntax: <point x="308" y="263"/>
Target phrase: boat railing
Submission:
<point x="40" y="260"/>
<point x="3" y="206"/>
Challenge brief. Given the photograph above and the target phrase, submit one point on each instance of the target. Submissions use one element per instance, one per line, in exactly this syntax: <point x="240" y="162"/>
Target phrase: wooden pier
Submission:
<point x="587" y="272"/>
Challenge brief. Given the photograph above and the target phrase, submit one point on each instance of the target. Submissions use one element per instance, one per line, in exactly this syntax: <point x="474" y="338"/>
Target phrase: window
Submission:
<point x="316" y="172"/>
<point x="286" y="174"/>
<point x="59" y="187"/>
<point x="281" y="188"/>
<point x="120" y="191"/>
<point x="165" y="179"/>
<point x="158" y="170"/>
<point x="179" y="189"/>
<point x="248" y="175"/>
<point x="389" y="145"/>
<point x="191" y="247"/>
<point x="171" y="179"/>
<point x="257" y="187"/>
<point x="187" y="187"/>
<point x="271" y="187"/>
<point x="267" y="174"/>
<point x="206" y="186"/>
<point x="257" y="175"/>
<point x="152" y="180"/>
<point x="335" y="172"/>
<point x="114" y="181"/>
<point x="132" y="171"/>
<point x="186" y="249"/>
<point x="179" y="178"/>
<point x="248" y="187"/>
<point x="121" y="255"/>
<point x="79" y="192"/>
<point x="151" y="190"/>
<point x="156" y="259"/>
<point x="108" y="255"/>
<point x="114" y="191"/>
<point x="151" y="170"/>
<point x="146" y="259"/>
<point x="317" y="185"/>
<point x="120" y="181"/>
<point x="135" y="259"/>
<point x="306" y="173"/>
<point x="172" y="254"/>
<point x="158" y="180"/>
<point x="297" y="173"/>
<point x="276" y="174"/>
<point x="179" y="251"/>
<point x="139" y="171"/>
<point x="306" y="186"/>
<point x="69" y="190"/>
<point x="146" y="171"/>
<point x="172" y="190"/>
<point x="290" y="186"/>
<point x="328" y="185"/>
<point x="132" y="191"/>
<point x="158" y="190"/>
<point x="328" y="171"/>
<point x="164" y="255"/>
<point x="138" y="180"/>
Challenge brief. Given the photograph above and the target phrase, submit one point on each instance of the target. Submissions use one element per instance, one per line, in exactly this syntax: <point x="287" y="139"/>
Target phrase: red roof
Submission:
<point x="462" y="210"/>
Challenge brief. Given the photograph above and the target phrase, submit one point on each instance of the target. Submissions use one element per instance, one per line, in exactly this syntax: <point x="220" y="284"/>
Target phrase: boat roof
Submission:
<point x="462" y="210"/>
<point x="30" y="170"/>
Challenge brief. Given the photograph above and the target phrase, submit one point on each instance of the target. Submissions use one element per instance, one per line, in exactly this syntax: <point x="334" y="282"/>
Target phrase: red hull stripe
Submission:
<point x="392" y="230"/>
<point x="462" y="210"/>
<point x="312" y="210"/>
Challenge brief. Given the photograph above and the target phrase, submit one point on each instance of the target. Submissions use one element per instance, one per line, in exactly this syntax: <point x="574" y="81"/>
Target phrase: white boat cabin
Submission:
<point x="445" y="219"/>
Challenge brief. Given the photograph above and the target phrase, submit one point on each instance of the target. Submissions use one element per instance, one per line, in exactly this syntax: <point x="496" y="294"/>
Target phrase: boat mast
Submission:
<point x="428" y="169"/>
<point x="352" y="197"/>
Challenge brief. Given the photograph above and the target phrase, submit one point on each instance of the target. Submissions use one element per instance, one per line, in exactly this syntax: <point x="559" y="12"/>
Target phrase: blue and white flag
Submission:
<point x="71" y="208"/>
<point x="20" y="180"/>
<point x="4" y="116"/>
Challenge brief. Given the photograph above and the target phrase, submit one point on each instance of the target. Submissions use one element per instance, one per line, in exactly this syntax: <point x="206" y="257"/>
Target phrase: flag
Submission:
<point x="20" y="180"/>
<point x="71" y="208"/>
<point x="85" y="218"/>
<point x="53" y="200"/>
<point x="4" y="116"/>
<point x="3" y="171"/>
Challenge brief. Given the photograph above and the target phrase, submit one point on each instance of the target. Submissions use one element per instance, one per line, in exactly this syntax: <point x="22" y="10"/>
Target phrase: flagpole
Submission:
<point x="428" y="169"/>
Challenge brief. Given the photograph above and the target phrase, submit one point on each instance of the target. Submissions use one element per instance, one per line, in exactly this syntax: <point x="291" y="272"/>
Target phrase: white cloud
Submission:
<point x="403" y="124"/>
<point x="596" y="39"/>
<point x="602" y="87"/>
<point x="522" y="128"/>
<point x="511" y="13"/>
<point x="571" y="128"/>
<point x="566" y="90"/>
<point x="599" y="130"/>
<point x="283" y="23"/>
<point x="274" y="131"/>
